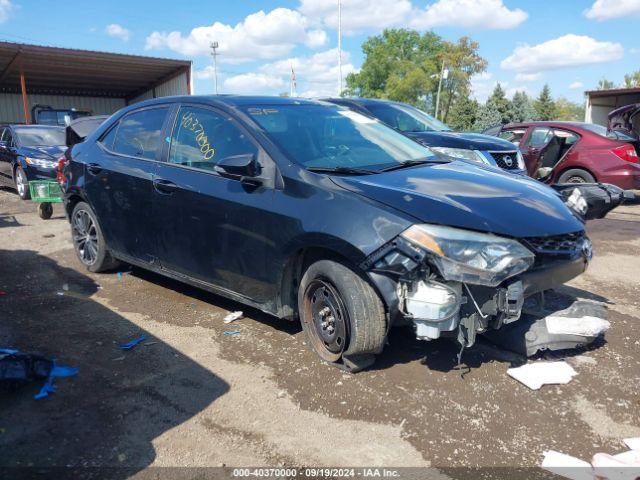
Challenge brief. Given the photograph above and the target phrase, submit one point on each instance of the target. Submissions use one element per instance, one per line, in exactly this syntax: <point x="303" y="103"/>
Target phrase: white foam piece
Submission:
<point x="535" y="375"/>
<point x="586" y="326"/>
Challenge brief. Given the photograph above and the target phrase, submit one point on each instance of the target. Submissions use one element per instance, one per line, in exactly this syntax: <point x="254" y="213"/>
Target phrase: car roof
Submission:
<point x="234" y="100"/>
<point x="36" y="125"/>
<point x="363" y="101"/>
<point x="578" y="125"/>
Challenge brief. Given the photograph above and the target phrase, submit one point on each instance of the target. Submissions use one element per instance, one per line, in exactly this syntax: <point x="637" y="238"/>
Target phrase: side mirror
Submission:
<point x="239" y="166"/>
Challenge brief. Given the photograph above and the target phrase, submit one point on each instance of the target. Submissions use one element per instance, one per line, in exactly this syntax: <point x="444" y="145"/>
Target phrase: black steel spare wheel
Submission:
<point x="329" y="318"/>
<point x="85" y="237"/>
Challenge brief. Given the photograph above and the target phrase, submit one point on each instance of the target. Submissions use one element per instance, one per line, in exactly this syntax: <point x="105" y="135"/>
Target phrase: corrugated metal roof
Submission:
<point x="65" y="71"/>
<point x="613" y="91"/>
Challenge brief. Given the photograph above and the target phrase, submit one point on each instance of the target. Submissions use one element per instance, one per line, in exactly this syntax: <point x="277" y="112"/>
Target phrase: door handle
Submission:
<point x="94" y="168"/>
<point x="164" y="187"/>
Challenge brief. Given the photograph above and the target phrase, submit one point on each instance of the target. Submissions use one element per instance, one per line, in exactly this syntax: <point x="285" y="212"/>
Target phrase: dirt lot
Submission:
<point x="191" y="396"/>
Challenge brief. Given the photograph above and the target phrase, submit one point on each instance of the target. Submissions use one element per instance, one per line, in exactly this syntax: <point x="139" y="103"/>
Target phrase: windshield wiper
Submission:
<point x="413" y="163"/>
<point x="344" y="170"/>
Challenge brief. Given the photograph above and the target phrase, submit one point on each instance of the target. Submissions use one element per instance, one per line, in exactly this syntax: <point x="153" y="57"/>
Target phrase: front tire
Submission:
<point x="576" y="175"/>
<point x="342" y="316"/>
<point x="21" y="183"/>
<point x="88" y="240"/>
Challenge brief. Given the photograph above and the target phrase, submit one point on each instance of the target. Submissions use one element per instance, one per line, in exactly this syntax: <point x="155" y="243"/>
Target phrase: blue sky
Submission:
<point x="569" y="44"/>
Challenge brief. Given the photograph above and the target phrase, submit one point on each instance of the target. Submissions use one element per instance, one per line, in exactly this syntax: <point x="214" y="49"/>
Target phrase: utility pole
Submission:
<point x="214" y="54"/>
<point x="444" y="74"/>
<point x="340" y="47"/>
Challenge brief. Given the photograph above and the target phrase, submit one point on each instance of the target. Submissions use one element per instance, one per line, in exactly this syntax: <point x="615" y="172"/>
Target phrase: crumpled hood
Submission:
<point x="467" y="141"/>
<point x="467" y="196"/>
<point x="46" y="153"/>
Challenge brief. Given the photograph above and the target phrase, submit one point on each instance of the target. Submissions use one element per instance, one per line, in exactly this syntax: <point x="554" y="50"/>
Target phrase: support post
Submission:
<point x="25" y="104"/>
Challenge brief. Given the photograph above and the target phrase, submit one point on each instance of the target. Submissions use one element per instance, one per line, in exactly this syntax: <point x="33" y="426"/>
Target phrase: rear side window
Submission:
<point x="202" y="137"/>
<point x="540" y="136"/>
<point x="138" y="134"/>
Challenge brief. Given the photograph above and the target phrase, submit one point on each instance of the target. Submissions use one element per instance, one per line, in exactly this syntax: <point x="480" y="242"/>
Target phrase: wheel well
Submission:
<point x="576" y="168"/>
<point x="294" y="270"/>
<point x="71" y="203"/>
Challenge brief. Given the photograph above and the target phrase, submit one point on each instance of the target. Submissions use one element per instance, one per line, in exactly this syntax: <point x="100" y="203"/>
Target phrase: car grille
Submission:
<point x="568" y="244"/>
<point x="506" y="160"/>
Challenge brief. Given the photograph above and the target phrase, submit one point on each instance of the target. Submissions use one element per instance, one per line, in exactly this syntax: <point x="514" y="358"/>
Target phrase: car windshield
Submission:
<point x="332" y="137"/>
<point x="603" y="132"/>
<point x="40" y="136"/>
<point x="406" y="118"/>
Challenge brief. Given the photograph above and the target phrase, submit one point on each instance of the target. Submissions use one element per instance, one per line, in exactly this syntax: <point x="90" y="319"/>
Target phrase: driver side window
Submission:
<point x="540" y="136"/>
<point x="202" y="137"/>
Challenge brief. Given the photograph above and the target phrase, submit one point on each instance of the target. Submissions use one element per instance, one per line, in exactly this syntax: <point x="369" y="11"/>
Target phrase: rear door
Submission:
<point x="536" y="141"/>
<point x="119" y="180"/>
<point x="210" y="227"/>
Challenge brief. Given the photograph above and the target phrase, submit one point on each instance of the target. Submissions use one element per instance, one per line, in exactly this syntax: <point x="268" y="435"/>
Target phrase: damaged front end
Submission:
<point x="451" y="282"/>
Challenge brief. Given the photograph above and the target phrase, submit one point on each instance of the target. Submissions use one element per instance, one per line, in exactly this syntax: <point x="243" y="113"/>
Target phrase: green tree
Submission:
<point x="632" y="80"/>
<point x="403" y="65"/>
<point x="545" y="106"/>
<point x="499" y="101"/>
<point x="567" y="110"/>
<point x="522" y="108"/>
<point x="488" y="116"/>
<point x="604" y="84"/>
<point x="464" y="114"/>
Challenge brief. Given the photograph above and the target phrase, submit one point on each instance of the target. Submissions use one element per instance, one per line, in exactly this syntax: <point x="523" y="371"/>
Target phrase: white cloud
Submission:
<point x="253" y="83"/>
<point x="259" y="36"/>
<point x="528" y="77"/>
<point x="608" y="9"/>
<point x="358" y="15"/>
<point x="6" y="7"/>
<point x="482" y="85"/>
<point x="316" y="75"/>
<point x="485" y="14"/>
<point x="576" y="85"/>
<point x="117" y="31"/>
<point x="566" y="51"/>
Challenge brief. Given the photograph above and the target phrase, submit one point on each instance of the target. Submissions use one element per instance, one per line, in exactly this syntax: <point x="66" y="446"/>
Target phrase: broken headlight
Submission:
<point x="471" y="257"/>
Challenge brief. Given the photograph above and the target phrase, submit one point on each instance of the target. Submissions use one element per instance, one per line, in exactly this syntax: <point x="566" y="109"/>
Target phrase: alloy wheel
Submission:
<point x="576" y="179"/>
<point x="85" y="237"/>
<point x="327" y="319"/>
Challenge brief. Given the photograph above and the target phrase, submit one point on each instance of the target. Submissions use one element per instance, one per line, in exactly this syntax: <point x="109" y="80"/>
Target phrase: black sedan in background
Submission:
<point x="438" y="136"/>
<point x="310" y="210"/>
<point x="29" y="152"/>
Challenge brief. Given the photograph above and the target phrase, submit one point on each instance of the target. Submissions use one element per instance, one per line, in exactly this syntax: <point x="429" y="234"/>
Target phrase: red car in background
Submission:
<point x="573" y="152"/>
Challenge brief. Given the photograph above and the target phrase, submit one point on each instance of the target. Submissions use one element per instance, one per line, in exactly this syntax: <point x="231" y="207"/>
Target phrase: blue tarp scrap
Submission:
<point x="133" y="343"/>
<point x="56" y="371"/>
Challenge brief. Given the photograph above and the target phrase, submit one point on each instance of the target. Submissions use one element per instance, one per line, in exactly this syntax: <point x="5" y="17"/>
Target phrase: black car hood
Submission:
<point x="467" y="141"/>
<point x="48" y="153"/>
<point x="467" y="196"/>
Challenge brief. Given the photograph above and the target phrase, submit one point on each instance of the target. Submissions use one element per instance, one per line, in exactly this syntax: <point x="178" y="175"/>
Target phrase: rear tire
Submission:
<point x="21" y="183"/>
<point x="576" y="175"/>
<point x="88" y="240"/>
<point x="342" y="316"/>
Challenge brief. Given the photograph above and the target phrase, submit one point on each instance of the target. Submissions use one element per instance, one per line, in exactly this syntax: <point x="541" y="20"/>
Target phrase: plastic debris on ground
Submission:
<point x="632" y="443"/>
<point x="231" y="332"/>
<point x="18" y="367"/>
<point x="603" y="466"/>
<point x="133" y="343"/>
<point x="232" y="317"/>
<point x="577" y="325"/>
<point x="535" y="375"/>
<point x="586" y="326"/>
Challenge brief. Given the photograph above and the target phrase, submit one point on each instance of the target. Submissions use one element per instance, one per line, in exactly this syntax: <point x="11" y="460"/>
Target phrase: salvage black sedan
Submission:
<point x="29" y="152"/>
<point x="308" y="210"/>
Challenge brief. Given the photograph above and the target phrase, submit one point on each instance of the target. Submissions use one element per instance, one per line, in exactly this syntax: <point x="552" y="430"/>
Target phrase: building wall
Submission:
<point x="598" y="108"/>
<point x="175" y="86"/>
<point x="11" y="105"/>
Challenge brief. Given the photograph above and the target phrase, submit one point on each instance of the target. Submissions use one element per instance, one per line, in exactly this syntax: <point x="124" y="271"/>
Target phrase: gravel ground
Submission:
<point x="190" y="396"/>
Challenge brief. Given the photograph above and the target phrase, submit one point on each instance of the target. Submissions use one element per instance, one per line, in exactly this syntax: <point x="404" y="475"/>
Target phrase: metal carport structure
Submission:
<point x="100" y="82"/>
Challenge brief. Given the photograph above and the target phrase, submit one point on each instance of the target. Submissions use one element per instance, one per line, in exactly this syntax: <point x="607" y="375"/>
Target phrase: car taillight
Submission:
<point x="62" y="180"/>
<point x="627" y="153"/>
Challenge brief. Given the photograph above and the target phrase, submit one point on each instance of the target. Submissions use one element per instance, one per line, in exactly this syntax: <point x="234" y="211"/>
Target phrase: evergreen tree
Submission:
<point x="488" y="116"/>
<point x="464" y="114"/>
<point x="499" y="102"/>
<point x="522" y="108"/>
<point x="545" y="106"/>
